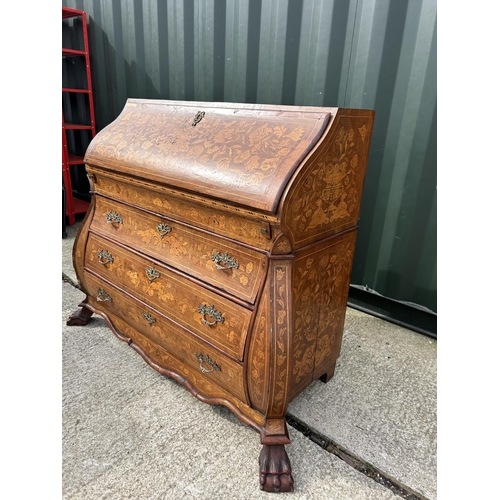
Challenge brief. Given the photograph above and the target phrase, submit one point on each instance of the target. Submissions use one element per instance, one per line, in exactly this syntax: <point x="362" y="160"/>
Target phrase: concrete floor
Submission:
<point x="129" y="432"/>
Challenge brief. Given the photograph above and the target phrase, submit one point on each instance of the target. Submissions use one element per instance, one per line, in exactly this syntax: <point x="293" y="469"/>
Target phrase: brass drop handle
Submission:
<point x="150" y="319"/>
<point x="152" y="274"/>
<point x="163" y="229"/>
<point x="114" y="217"/>
<point x="212" y="313"/>
<point x="102" y="296"/>
<point x="104" y="257"/>
<point x="224" y="261"/>
<point x="205" y="358"/>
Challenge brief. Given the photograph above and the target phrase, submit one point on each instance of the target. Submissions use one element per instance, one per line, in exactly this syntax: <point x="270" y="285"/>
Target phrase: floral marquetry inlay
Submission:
<point x="190" y="252"/>
<point x="281" y="331"/>
<point x="330" y="195"/>
<point x="258" y="366"/>
<point x="246" y="160"/>
<point x="331" y="185"/>
<point x="204" y="216"/>
<point x="321" y="281"/>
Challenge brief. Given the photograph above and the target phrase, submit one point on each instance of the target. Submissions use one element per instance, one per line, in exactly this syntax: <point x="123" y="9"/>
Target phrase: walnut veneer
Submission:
<point x="219" y="245"/>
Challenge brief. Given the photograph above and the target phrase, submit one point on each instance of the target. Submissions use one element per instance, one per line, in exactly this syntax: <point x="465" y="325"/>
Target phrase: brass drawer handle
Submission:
<point x="163" y="229"/>
<point x="102" y="296"/>
<point x="204" y="358"/>
<point x="152" y="274"/>
<point x="150" y="319"/>
<point x="212" y="313"/>
<point x="226" y="260"/>
<point x="104" y="257"/>
<point x="114" y="217"/>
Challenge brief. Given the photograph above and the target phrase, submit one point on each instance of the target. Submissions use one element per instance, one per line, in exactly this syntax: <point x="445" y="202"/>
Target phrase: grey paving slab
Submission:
<point x="381" y="404"/>
<point x="129" y="432"/>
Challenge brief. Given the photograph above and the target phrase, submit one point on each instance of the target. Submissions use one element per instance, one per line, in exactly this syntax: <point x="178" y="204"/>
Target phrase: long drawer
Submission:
<point x="226" y="265"/>
<point x="222" y="370"/>
<point x="219" y="321"/>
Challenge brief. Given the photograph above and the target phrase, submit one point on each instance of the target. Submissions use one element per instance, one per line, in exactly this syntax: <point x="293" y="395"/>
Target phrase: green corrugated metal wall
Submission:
<point x="377" y="54"/>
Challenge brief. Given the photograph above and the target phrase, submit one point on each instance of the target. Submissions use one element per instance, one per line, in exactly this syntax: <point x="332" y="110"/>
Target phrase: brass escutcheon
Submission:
<point x="225" y="259"/>
<point x="152" y="274"/>
<point x="212" y="313"/>
<point x="205" y="358"/>
<point x="150" y="319"/>
<point x="114" y="217"/>
<point x="198" y="118"/>
<point x="163" y="229"/>
<point x="104" y="257"/>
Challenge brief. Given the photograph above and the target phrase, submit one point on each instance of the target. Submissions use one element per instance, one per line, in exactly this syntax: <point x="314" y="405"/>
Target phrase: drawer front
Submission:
<point x="218" y="368"/>
<point x="244" y="225"/>
<point x="216" y="319"/>
<point x="223" y="264"/>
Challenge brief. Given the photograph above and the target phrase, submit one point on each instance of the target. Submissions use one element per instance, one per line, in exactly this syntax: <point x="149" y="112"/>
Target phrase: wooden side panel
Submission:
<point x="80" y="243"/>
<point x="334" y="293"/>
<point x="325" y="196"/>
<point x="258" y="355"/>
<point x="321" y="275"/>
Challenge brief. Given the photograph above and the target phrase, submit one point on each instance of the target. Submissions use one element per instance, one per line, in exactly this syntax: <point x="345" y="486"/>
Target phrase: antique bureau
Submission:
<point x="219" y="245"/>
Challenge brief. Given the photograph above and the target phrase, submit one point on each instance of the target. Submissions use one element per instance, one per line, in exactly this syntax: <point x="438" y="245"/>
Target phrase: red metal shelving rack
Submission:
<point x="75" y="205"/>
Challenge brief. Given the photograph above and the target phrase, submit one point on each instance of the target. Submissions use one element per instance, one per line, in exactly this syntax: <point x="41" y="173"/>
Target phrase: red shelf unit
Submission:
<point x="75" y="205"/>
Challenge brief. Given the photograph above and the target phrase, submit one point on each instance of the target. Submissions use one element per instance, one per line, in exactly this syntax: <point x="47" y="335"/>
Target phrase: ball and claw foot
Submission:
<point x="80" y="317"/>
<point x="275" y="469"/>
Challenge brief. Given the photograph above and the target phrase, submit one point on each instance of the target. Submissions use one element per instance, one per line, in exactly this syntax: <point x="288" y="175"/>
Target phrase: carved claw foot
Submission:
<point x="275" y="469"/>
<point x="80" y="317"/>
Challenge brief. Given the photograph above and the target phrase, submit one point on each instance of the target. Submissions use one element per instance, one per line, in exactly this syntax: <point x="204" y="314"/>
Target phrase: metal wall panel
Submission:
<point x="377" y="54"/>
<point x="393" y="70"/>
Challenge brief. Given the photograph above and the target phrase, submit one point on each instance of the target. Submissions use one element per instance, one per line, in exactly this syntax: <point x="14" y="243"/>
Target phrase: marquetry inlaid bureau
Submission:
<point x="219" y="245"/>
